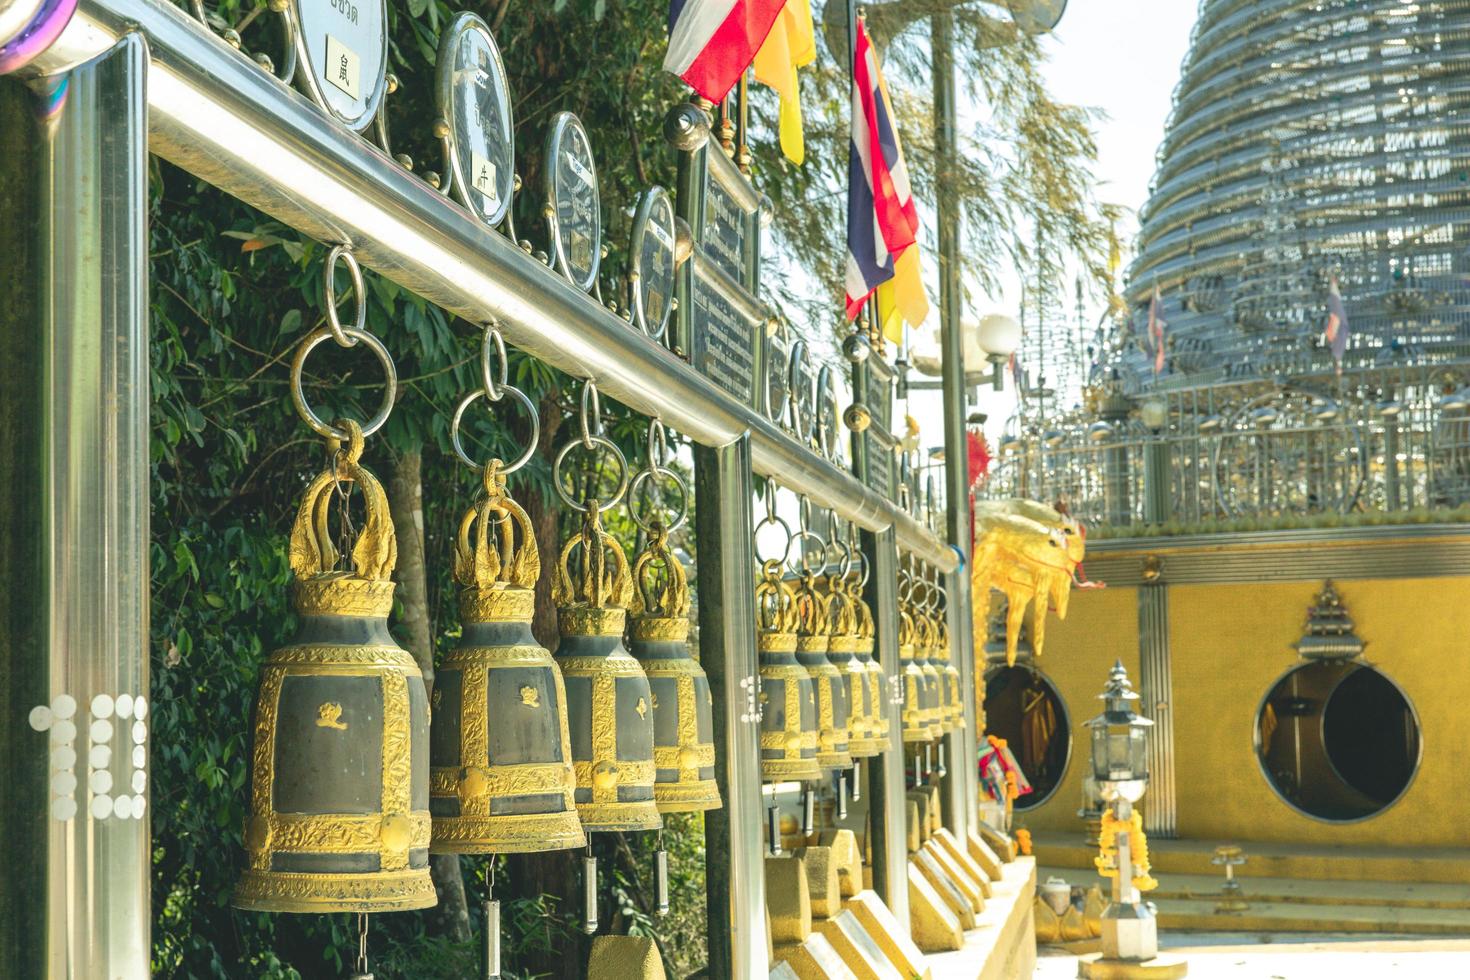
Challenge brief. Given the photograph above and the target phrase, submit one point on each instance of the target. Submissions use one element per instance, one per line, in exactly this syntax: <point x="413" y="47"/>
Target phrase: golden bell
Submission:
<point x="501" y="779"/>
<point x="788" y="716"/>
<point x="878" y="695"/>
<point x="683" y="726"/>
<point x="923" y="647"/>
<point x="939" y="656"/>
<point x="813" y="636"/>
<point x="863" y="741"/>
<point x="338" y="818"/>
<point x="609" y="702"/>
<point x="920" y="696"/>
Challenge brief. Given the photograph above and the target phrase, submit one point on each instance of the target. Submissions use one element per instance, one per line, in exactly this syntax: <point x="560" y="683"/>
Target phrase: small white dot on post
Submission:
<point x="63" y="757"/>
<point x="63" y="706"/>
<point x="63" y="808"/>
<point x="140" y="733"/>
<point x="64" y="783"/>
<point x="40" y="718"/>
<point x="139" y="803"/>
<point x="102" y="706"/>
<point x="100" y="781"/>
<point x="124" y="706"/>
<point x="100" y="756"/>
<point x="140" y="707"/>
<point x="101" y="730"/>
<point x="62" y="731"/>
<point x="140" y="780"/>
<point x="140" y="757"/>
<point x="101" y="807"/>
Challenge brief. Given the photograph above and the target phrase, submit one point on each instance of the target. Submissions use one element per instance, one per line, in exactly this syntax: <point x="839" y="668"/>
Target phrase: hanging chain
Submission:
<point x="362" y="938"/>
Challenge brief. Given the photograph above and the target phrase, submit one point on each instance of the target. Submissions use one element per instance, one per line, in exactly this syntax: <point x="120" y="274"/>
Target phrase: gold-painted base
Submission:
<point x="381" y="891"/>
<point x="1164" y="967"/>
<point x="834" y="760"/>
<point x="790" y="770"/>
<point x="687" y="796"/>
<point x="867" y="748"/>
<point x="509" y="834"/>
<point x="607" y="817"/>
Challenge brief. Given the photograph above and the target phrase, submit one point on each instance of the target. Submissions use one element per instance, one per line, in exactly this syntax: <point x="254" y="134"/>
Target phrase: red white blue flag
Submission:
<point x="1336" y="330"/>
<point x="712" y="42"/>
<point x="882" y="221"/>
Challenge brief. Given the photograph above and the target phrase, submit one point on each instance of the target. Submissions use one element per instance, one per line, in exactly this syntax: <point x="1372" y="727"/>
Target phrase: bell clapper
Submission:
<point x="808" y="809"/>
<point x="492" y="925"/>
<point x="589" y="891"/>
<point x="842" y="796"/>
<point x="928" y="761"/>
<point x="857" y="783"/>
<point x="942" y="770"/>
<point x="661" y="876"/>
<point x="773" y="828"/>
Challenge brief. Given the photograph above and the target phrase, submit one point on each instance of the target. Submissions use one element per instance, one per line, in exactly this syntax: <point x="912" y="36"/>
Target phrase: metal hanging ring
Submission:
<point x="596" y="441"/>
<point x="658" y="445"/>
<point x="804" y="562"/>
<point x="681" y="514"/>
<point x="591" y="420"/>
<point x="344" y="336"/>
<point x="458" y="420"/>
<point x="866" y="567"/>
<point x="491" y="348"/>
<point x="771" y="503"/>
<point x="298" y="394"/>
<point x="771" y="520"/>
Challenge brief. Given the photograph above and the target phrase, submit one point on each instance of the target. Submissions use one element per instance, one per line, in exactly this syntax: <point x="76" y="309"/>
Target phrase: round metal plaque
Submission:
<point x="802" y="385"/>
<point x="474" y="98"/>
<point x="344" y="44"/>
<point x="778" y="381"/>
<point x="571" y="191"/>
<point x="828" y="413"/>
<point x="654" y="265"/>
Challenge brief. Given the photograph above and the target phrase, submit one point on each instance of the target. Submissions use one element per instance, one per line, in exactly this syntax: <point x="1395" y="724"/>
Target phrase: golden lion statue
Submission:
<point x="1031" y="553"/>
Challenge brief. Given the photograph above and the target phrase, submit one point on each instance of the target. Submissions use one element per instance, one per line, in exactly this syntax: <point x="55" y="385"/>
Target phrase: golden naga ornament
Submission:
<point x="608" y="697"/>
<point x="501" y="778"/>
<point x="788" y="723"/>
<point x="683" y="724"/>
<point x="338" y="819"/>
<point x="1033" y="554"/>
<point x="813" y="635"/>
<point x="842" y="617"/>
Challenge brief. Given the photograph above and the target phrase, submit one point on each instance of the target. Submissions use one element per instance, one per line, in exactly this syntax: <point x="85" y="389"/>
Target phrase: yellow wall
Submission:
<point x="1229" y="644"/>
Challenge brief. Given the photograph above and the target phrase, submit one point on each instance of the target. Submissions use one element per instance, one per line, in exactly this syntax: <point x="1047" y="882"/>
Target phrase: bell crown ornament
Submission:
<point x="338" y="818"/>
<point x="592" y="600"/>
<point x="505" y="787"/>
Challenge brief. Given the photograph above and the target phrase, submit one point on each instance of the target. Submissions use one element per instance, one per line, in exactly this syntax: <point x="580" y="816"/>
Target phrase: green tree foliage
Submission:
<point x="233" y="293"/>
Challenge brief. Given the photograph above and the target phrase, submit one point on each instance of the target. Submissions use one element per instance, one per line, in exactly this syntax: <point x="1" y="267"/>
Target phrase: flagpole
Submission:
<point x="960" y="801"/>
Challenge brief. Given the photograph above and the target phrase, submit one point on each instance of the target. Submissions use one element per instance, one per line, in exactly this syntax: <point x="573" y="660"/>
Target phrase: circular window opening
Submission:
<point x="1023" y="707"/>
<point x="1338" y="741"/>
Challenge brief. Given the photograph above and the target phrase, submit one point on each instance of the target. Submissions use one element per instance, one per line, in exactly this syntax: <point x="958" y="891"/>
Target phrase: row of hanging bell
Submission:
<point x="867" y="726"/>
<point x="788" y="715"/>
<point x="939" y="656"/>
<point x="338" y="816"/>
<point x="921" y="700"/>
<point x="501" y="778"/>
<point x="813" y="639"/>
<point x="683" y="724"/>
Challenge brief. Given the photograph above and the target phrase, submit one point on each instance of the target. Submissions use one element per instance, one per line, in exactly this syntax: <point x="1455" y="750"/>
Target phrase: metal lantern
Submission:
<point x="1120" y="741"/>
<point x="833" y="706"/>
<point x="501" y="780"/>
<point x="609" y="702"/>
<point x="683" y="727"/>
<point x="788" y="715"/>
<point x="338" y="819"/>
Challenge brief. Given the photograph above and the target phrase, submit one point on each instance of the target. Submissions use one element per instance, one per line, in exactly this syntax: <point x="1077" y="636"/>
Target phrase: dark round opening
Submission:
<point x="1338" y="741"/>
<point x="1023" y="707"/>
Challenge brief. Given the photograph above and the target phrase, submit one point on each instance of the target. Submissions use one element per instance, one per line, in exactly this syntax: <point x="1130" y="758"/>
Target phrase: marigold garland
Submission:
<point x="1107" y="861"/>
<point x="1023" y="841"/>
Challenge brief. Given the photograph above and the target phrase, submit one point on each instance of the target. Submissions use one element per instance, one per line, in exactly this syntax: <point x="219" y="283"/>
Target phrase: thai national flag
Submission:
<point x="881" y="218"/>
<point x="712" y="42"/>
<point x="1336" y="331"/>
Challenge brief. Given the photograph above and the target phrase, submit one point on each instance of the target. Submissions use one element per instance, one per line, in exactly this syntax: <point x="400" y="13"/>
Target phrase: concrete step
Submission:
<point x="1318" y="862"/>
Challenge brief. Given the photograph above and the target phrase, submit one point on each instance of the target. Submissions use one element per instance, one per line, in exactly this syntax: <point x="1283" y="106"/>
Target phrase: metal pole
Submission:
<point x="74" y="901"/>
<point x="958" y="801"/>
<point x="887" y="802"/>
<point x="735" y="872"/>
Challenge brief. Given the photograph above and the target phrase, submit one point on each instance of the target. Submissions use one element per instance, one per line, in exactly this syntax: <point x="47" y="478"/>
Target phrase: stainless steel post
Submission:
<point x="959" y="791"/>
<point x="887" y="803"/>
<point x="735" y="871"/>
<point x="74" y="901"/>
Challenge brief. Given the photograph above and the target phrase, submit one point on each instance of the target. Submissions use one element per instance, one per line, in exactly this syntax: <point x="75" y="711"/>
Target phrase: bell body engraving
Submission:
<point x="788" y="725"/>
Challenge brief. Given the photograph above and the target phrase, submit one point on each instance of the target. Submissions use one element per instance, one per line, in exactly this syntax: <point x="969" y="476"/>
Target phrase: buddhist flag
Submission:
<point x="882" y="221"/>
<point x="792" y="44"/>
<point x="712" y="42"/>
<point x="1336" y="330"/>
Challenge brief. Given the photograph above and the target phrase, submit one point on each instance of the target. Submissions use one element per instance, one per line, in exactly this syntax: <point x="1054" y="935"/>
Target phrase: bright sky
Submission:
<point x="1123" y="58"/>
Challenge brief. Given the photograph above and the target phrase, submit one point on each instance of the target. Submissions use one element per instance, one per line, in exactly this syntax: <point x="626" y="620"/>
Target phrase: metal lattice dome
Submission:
<point x="1310" y="139"/>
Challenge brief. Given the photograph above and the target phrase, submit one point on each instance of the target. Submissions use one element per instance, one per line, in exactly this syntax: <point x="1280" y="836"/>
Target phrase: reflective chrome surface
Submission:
<point x="219" y="116"/>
